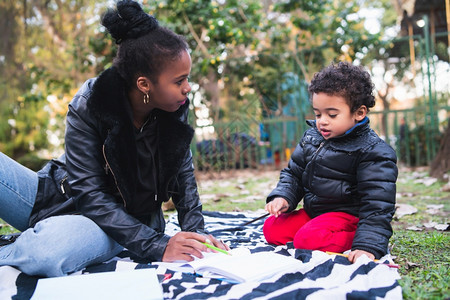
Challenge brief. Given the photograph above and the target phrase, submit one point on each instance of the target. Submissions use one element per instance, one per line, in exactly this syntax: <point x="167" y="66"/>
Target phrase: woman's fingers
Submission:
<point x="184" y="245"/>
<point x="217" y="243"/>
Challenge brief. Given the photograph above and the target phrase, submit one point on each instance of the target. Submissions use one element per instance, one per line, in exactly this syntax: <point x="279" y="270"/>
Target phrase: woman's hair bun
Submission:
<point x="128" y="21"/>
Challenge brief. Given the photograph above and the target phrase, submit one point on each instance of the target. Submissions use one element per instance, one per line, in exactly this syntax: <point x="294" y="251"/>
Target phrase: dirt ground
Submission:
<point x="422" y="201"/>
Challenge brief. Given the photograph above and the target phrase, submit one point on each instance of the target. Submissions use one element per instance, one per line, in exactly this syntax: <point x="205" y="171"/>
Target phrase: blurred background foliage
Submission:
<point x="240" y="49"/>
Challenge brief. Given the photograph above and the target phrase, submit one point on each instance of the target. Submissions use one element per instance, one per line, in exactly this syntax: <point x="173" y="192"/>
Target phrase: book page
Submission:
<point x="251" y="267"/>
<point x="209" y="258"/>
<point x="241" y="266"/>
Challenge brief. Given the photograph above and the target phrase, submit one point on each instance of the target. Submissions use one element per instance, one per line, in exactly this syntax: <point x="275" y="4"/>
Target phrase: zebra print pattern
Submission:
<point x="322" y="276"/>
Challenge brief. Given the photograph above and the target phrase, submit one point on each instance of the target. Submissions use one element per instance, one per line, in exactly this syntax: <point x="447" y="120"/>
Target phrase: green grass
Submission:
<point x="245" y="192"/>
<point x="5" y="228"/>
<point x="423" y="256"/>
<point x="425" y="262"/>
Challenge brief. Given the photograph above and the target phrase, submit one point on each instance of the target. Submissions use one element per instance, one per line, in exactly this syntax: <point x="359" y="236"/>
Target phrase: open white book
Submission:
<point x="240" y="266"/>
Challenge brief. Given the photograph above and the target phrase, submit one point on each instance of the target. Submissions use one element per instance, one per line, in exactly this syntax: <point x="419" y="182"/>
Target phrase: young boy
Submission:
<point x="342" y="170"/>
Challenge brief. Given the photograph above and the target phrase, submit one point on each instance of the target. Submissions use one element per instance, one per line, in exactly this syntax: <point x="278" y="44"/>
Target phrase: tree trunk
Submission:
<point x="210" y="85"/>
<point x="386" y="107"/>
<point x="441" y="163"/>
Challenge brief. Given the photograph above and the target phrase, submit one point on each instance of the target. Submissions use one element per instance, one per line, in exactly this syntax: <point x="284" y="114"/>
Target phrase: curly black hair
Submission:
<point x="346" y="80"/>
<point x="145" y="47"/>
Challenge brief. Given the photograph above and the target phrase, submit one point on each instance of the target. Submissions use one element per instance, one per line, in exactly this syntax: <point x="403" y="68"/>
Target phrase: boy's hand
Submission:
<point x="277" y="206"/>
<point x="353" y="256"/>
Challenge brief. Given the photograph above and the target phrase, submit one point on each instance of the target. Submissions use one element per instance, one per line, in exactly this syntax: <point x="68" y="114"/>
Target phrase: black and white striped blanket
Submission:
<point x="322" y="276"/>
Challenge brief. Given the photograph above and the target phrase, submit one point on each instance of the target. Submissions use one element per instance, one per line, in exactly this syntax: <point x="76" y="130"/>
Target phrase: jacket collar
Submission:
<point x="358" y="125"/>
<point x="107" y="104"/>
<point x="107" y="99"/>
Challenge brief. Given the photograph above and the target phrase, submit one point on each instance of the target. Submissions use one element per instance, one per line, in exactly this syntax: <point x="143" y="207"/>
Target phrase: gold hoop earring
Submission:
<point x="146" y="99"/>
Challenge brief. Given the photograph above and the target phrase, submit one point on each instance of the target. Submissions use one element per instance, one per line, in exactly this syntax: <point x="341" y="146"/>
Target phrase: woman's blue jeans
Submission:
<point x="55" y="246"/>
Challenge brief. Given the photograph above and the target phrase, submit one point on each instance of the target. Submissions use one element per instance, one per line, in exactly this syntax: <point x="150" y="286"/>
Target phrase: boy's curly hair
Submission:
<point x="351" y="82"/>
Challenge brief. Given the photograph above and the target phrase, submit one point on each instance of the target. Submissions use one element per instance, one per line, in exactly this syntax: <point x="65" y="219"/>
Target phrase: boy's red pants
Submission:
<point x="333" y="231"/>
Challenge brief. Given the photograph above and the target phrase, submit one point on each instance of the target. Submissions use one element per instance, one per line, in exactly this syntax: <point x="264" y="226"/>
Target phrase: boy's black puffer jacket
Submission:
<point x="355" y="173"/>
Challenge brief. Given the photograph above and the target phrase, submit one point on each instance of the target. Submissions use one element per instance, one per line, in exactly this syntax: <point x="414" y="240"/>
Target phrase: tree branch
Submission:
<point x="194" y="34"/>
<point x="48" y="24"/>
<point x="241" y="12"/>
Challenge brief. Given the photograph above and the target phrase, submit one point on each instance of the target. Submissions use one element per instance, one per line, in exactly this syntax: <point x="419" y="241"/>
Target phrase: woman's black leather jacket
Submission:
<point x="101" y="161"/>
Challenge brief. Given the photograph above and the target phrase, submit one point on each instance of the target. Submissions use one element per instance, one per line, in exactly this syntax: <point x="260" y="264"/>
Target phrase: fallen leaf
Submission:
<point x="433" y="209"/>
<point x="249" y="199"/>
<point x="410" y="265"/>
<point x="407" y="195"/>
<point x="430" y="224"/>
<point x="224" y="183"/>
<point x="224" y="195"/>
<point x="426" y="181"/>
<point x="404" y="209"/>
<point x="442" y="227"/>
<point x="419" y="174"/>
<point x="414" y="228"/>
<point x="168" y="206"/>
<point x="446" y="188"/>
<point x="435" y="206"/>
<point x="206" y="197"/>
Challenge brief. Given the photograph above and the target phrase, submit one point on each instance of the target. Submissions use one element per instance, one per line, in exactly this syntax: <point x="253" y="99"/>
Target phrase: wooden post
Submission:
<point x="412" y="53"/>
<point x="447" y="9"/>
<point x="433" y="31"/>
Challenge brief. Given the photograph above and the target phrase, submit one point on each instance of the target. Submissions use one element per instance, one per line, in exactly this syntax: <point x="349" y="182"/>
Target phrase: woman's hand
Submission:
<point x="277" y="206"/>
<point x="184" y="245"/>
<point x="217" y="243"/>
<point x="353" y="256"/>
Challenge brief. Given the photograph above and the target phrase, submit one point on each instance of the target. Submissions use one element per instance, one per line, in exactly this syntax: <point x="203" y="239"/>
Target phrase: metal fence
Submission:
<point x="415" y="133"/>
<point x="410" y="132"/>
<point x="243" y="144"/>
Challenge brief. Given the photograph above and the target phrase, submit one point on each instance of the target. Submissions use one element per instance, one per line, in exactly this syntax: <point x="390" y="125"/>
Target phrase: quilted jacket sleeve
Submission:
<point x="289" y="185"/>
<point x="376" y="175"/>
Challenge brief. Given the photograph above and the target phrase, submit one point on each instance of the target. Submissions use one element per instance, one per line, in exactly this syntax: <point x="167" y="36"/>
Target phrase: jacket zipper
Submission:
<point x="313" y="159"/>
<point x="155" y="177"/>
<point x="62" y="185"/>
<point x="108" y="167"/>
<point x="317" y="151"/>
